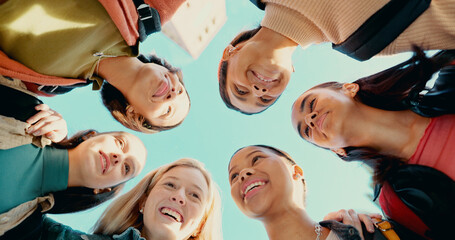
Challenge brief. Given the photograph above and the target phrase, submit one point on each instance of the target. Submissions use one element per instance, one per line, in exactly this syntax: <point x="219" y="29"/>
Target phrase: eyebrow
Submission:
<point x="178" y="179"/>
<point x="302" y="105"/>
<point x="248" y="155"/>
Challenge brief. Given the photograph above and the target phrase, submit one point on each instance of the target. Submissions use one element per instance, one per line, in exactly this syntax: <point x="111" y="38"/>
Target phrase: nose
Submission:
<point x="178" y="197"/>
<point x="175" y="91"/>
<point x="259" y="91"/>
<point x="245" y="173"/>
<point x="310" y="118"/>
<point x="116" y="158"/>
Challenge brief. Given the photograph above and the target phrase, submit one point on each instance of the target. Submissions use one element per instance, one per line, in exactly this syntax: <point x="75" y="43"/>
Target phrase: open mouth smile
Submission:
<point x="163" y="89"/>
<point x="263" y="78"/>
<point x="172" y="213"/>
<point x="251" y="188"/>
<point x="105" y="163"/>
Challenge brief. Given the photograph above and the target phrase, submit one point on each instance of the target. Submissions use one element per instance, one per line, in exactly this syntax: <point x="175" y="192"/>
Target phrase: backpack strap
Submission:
<point x="258" y="4"/>
<point x="429" y="193"/>
<point x="17" y="104"/>
<point x="440" y="99"/>
<point x="382" y="28"/>
<point x="149" y="19"/>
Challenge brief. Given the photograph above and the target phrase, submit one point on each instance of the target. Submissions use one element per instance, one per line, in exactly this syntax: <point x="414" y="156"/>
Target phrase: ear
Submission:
<point x="230" y="51"/>
<point x="88" y="135"/>
<point x="339" y="151"/>
<point x="298" y="172"/>
<point x="101" y="190"/>
<point x="351" y="89"/>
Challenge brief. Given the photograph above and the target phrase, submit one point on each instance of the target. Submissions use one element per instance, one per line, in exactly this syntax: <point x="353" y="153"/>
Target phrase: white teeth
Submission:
<point x="104" y="162"/>
<point x="172" y="213"/>
<point x="262" y="79"/>
<point x="251" y="186"/>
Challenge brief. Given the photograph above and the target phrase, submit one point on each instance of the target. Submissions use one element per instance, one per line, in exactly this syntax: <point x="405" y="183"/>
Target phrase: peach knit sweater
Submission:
<point x="316" y="21"/>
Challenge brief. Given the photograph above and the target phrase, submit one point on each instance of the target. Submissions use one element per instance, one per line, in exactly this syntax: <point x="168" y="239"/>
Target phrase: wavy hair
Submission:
<point x="123" y="212"/>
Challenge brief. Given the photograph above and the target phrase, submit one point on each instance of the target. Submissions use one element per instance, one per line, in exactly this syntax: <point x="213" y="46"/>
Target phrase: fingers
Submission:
<point x="367" y="221"/>
<point x="48" y="123"/>
<point x="44" y="111"/>
<point x="333" y="216"/>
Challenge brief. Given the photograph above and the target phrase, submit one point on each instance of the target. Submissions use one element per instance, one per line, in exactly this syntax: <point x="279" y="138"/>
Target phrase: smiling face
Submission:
<point x="254" y="79"/>
<point x="106" y="160"/>
<point x="324" y="116"/>
<point x="159" y="96"/>
<point x="175" y="206"/>
<point x="261" y="181"/>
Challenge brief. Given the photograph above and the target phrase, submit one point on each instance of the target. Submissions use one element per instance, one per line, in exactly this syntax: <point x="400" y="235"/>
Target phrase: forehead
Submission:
<point x="243" y="154"/>
<point x="187" y="175"/>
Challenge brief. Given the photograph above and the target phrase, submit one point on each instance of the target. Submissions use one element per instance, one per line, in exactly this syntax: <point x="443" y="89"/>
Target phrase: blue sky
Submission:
<point x="212" y="133"/>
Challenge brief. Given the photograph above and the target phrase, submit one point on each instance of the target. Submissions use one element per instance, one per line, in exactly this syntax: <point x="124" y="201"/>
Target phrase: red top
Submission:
<point x="436" y="149"/>
<point x="437" y="146"/>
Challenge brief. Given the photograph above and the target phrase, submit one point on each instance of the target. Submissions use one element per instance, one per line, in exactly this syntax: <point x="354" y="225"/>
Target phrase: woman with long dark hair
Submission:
<point x="69" y="175"/>
<point x="55" y="47"/>
<point x="386" y="122"/>
<point x="257" y="64"/>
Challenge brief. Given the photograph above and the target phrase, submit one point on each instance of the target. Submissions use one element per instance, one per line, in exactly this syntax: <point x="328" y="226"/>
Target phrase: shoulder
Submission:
<point x="129" y="234"/>
<point x="53" y="230"/>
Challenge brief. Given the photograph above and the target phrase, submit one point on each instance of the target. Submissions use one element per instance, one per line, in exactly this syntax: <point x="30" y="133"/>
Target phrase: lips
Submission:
<point x="264" y="78"/>
<point x="162" y="89"/>
<point x="320" y="121"/>
<point x="105" y="162"/>
<point x="251" y="187"/>
<point x="172" y="214"/>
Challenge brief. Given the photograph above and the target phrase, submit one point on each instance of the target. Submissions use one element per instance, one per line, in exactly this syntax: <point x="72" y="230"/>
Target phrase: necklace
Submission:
<point x="317" y="230"/>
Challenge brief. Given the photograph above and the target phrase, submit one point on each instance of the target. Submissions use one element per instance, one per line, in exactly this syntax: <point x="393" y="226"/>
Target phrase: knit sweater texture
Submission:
<point x="314" y="21"/>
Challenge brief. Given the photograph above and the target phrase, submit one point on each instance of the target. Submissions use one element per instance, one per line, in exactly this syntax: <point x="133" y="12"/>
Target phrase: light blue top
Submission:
<point x="27" y="172"/>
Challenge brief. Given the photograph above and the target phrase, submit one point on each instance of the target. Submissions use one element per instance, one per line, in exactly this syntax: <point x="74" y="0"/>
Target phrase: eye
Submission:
<point x="169" y="184"/>
<point x="127" y="168"/>
<point x="120" y="143"/>
<point x="307" y="131"/>
<point x="195" y="195"/>
<point x="255" y="159"/>
<point x="233" y="176"/>
<point x="168" y="111"/>
<point x="239" y="91"/>
<point x="312" y="104"/>
<point x="266" y="100"/>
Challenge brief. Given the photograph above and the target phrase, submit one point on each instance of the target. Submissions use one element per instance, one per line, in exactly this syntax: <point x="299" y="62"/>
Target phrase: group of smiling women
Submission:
<point x="390" y="121"/>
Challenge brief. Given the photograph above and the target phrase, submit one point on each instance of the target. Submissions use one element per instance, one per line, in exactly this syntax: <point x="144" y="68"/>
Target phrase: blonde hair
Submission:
<point x="123" y="212"/>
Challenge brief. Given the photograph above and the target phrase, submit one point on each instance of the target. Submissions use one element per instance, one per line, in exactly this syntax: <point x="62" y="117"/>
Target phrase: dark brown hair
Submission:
<point x="222" y="69"/>
<point x="117" y="104"/>
<point x="392" y="90"/>
<point x="75" y="199"/>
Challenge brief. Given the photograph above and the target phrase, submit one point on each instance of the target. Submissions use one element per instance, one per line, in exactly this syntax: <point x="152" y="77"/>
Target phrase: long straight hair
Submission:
<point x="123" y="212"/>
<point x="75" y="199"/>
<point x="392" y="89"/>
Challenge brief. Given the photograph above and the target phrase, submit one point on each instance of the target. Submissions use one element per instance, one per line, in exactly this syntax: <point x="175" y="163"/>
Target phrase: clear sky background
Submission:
<point x="212" y="133"/>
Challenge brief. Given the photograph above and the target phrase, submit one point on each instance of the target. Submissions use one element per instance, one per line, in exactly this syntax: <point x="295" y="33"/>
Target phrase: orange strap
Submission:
<point x="386" y="229"/>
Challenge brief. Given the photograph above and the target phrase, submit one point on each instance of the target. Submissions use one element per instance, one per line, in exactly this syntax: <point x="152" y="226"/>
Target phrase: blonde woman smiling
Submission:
<point x="177" y="201"/>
